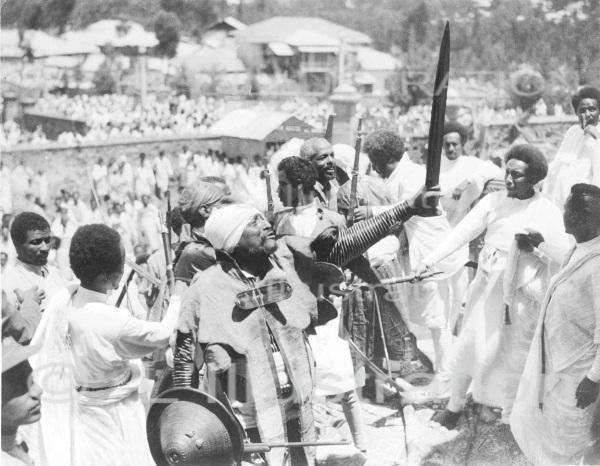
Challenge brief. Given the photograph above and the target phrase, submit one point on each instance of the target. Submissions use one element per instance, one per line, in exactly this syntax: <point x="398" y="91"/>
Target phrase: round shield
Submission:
<point x="188" y="427"/>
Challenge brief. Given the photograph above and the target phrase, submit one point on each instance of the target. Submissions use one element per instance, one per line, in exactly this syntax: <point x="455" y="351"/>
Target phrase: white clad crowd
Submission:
<point x="120" y="116"/>
<point x="528" y="342"/>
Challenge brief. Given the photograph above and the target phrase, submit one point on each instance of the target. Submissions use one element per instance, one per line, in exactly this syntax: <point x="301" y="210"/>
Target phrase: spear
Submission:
<point x="438" y="114"/>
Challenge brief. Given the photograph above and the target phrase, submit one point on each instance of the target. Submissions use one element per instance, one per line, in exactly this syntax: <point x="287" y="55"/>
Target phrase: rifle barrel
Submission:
<point x="355" y="167"/>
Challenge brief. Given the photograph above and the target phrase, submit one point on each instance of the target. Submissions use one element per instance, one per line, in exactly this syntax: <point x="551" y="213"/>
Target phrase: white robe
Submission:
<point x="431" y="302"/>
<point x="164" y="170"/>
<point x="545" y="421"/>
<point x="477" y="349"/>
<point x="577" y="161"/>
<point x="471" y="171"/>
<point x="24" y="276"/>
<point x="87" y="343"/>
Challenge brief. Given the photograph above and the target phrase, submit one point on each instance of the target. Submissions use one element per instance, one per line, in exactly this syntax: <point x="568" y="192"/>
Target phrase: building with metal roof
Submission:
<point x="249" y="132"/>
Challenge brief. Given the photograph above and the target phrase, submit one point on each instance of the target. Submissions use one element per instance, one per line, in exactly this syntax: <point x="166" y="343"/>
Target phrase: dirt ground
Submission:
<point x="474" y="442"/>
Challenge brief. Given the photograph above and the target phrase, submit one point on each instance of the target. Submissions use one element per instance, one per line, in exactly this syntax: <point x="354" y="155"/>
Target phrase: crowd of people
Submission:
<point x="257" y="295"/>
<point x="120" y="116"/>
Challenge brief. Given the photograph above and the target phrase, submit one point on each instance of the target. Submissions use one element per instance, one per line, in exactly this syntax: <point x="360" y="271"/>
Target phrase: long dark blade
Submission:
<point x="329" y="128"/>
<point x="438" y="112"/>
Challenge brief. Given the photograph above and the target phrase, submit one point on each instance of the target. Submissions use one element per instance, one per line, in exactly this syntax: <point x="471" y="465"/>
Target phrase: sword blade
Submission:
<point x="438" y="112"/>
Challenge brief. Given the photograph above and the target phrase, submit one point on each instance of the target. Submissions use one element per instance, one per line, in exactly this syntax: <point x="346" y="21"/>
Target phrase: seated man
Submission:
<point x="21" y="400"/>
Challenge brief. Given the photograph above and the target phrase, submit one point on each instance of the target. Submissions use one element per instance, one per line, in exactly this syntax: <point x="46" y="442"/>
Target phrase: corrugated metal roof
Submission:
<point x="249" y="124"/>
<point x="106" y="32"/>
<point x="281" y="49"/>
<point x="42" y="45"/>
<point x="374" y="60"/>
<point x="210" y="60"/>
<point x="280" y="28"/>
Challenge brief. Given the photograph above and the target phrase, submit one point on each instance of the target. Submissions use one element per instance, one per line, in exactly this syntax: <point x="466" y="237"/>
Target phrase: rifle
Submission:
<point x="354" y="185"/>
<point x="329" y="129"/>
<point x="168" y="254"/>
<point x="168" y="218"/>
<point x="270" y="205"/>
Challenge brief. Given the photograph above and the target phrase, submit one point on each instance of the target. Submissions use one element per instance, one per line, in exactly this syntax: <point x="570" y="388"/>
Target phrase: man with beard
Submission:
<point x="250" y="310"/>
<point x="557" y="400"/>
<point x="31" y="277"/>
<point x="578" y="157"/>
<point x="320" y="152"/>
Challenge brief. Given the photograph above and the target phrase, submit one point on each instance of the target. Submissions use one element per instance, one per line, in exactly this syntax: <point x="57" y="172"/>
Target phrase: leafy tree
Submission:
<point x="195" y="15"/>
<point x="104" y="81"/>
<point x="58" y="12"/>
<point x="49" y="14"/>
<point x="166" y="28"/>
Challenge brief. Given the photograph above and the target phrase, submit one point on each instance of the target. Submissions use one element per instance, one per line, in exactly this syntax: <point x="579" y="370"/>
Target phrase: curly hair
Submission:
<point x="382" y="146"/>
<point x="24" y="222"/>
<point x="299" y="171"/>
<point x="95" y="249"/>
<point x="586" y="92"/>
<point x="451" y="127"/>
<point x="537" y="165"/>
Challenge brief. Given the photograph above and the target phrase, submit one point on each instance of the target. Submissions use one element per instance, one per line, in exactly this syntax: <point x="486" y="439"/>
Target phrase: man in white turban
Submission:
<point x="249" y="312"/>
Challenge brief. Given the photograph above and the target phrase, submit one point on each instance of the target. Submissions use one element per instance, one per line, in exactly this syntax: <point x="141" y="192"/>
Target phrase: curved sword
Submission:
<point x="438" y="114"/>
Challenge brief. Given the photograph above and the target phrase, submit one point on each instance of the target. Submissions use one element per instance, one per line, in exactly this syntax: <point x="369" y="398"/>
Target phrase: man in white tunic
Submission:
<point x="578" y="157"/>
<point x="478" y="354"/>
<point x="144" y="177"/>
<point x="462" y="177"/>
<point x="557" y="400"/>
<point x="30" y="274"/>
<point x="89" y="366"/>
<point x="430" y="303"/>
<point x="164" y="171"/>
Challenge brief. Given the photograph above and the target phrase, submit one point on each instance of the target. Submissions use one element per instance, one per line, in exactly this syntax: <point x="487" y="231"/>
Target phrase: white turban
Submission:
<point x="225" y="226"/>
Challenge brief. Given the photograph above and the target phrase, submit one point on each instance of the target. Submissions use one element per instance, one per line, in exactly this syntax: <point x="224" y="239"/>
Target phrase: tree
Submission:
<point x="195" y="15"/>
<point x="49" y="14"/>
<point x="166" y="28"/>
<point x="58" y="12"/>
<point x="104" y="81"/>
